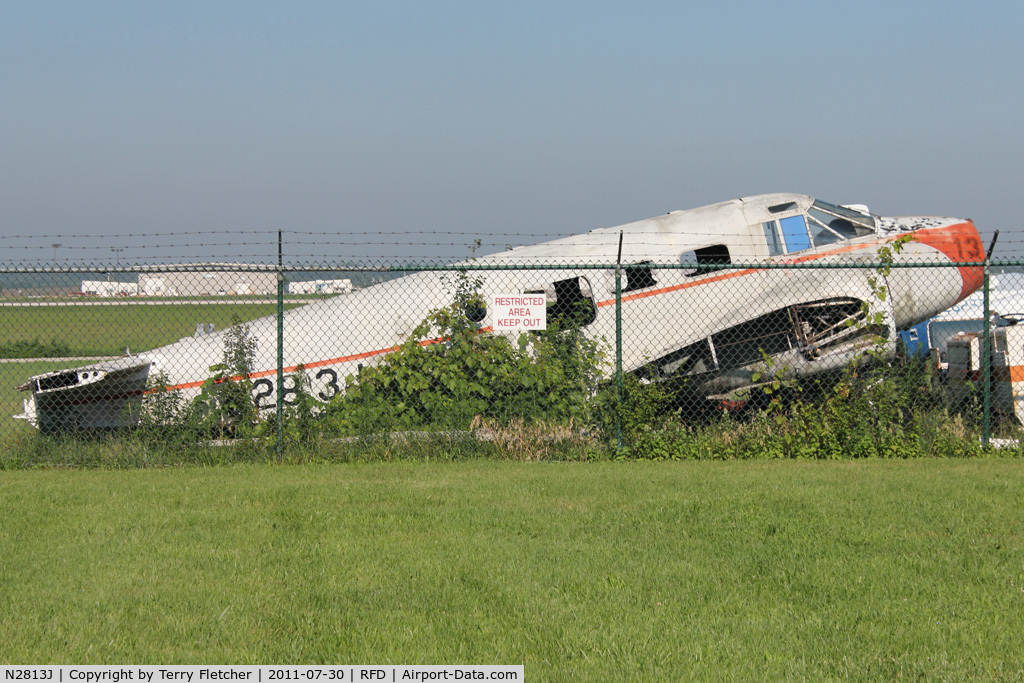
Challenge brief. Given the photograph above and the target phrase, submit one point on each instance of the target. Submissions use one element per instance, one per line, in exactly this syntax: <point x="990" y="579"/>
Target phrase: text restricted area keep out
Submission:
<point x="512" y="312"/>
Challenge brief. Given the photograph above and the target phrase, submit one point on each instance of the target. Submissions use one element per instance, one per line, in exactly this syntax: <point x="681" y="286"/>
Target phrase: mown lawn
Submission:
<point x="596" y="571"/>
<point x="108" y="330"/>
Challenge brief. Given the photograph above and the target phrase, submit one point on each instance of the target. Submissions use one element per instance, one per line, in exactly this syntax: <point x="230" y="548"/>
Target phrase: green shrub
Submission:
<point x="448" y="372"/>
<point x="22" y="348"/>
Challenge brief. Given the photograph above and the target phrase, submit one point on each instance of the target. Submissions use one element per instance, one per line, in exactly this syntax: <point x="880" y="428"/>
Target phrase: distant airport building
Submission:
<point x="202" y="279"/>
<point x="320" y="287"/>
<point x="107" y="288"/>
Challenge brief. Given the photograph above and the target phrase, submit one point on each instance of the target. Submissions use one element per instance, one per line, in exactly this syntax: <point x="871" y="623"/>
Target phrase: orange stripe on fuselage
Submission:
<point x="1016" y="373"/>
<point x="314" y="364"/>
<point x="924" y="235"/>
<point x="293" y="368"/>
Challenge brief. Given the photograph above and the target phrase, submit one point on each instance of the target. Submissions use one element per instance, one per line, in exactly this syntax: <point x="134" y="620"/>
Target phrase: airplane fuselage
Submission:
<point x="704" y="292"/>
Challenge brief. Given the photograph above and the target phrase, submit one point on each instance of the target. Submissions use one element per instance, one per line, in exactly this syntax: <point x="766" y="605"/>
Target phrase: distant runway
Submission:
<point x="62" y="359"/>
<point x="150" y="302"/>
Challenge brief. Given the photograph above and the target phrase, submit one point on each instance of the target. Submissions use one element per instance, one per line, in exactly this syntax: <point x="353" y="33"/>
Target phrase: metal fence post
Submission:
<point x="618" y="348"/>
<point x="279" y="436"/>
<point x="986" y="362"/>
<point x="986" y="353"/>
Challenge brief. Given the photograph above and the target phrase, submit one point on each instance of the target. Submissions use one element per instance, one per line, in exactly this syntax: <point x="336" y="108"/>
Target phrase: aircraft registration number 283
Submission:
<point x="324" y="381"/>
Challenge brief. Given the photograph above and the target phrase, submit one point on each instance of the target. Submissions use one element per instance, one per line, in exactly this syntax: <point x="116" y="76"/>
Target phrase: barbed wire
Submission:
<point x="334" y="233"/>
<point x="383" y="238"/>
<point x="326" y="247"/>
<point x="313" y="266"/>
<point x="504" y="239"/>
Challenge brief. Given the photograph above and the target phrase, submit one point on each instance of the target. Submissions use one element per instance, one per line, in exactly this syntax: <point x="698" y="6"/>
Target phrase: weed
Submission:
<point x="517" y="439"/>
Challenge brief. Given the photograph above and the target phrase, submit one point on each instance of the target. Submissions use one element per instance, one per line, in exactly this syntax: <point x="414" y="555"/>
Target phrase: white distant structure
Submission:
<point x="321" y="287"/>
<point x="105" y="288"/>
<point x="201" y="279"/>
<point x="209" y="279"/>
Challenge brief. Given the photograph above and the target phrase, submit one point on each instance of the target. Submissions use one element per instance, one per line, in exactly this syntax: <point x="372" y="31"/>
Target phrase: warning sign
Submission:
<point x="519" y="312"/>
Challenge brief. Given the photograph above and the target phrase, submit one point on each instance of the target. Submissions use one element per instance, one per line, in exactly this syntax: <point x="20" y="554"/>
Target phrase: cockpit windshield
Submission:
<point x="831" y="223"/>
<point x="823" y="224"/>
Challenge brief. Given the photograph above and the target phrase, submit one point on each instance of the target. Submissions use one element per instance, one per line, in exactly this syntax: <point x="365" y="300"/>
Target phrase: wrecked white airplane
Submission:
<point x="708" y="320"/>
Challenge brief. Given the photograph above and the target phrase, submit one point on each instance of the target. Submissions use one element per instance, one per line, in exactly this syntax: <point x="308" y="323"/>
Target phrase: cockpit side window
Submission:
<point x="841" y="226"/>
<point x="863" y="223"/>
<point x="786" y="236"/>
<point x="772" y="237"/>
<point x="794" y="231"/>
<point x="821" y="235"/>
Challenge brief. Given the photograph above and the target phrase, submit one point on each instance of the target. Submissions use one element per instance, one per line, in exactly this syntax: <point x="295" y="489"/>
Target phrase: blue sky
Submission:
<point x="190" y="120"/>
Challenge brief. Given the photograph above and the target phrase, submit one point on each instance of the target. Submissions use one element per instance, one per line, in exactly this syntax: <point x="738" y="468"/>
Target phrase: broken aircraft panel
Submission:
<point x="791" y="340"/>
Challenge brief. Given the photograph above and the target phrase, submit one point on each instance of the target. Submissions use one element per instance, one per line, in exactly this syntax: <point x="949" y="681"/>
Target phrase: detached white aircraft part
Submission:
<point x="706" y="323"/>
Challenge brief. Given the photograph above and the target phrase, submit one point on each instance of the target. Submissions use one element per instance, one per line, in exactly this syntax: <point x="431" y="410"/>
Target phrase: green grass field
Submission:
<point x="108" y="330"/>
<point x="600" y="571"/>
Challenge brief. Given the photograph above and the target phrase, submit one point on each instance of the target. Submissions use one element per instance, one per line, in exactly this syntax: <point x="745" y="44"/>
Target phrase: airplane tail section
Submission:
<point x="101" y="396"/>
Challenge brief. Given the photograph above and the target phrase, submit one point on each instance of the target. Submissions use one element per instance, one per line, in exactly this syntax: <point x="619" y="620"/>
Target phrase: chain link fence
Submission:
<point x="705" y="359"/>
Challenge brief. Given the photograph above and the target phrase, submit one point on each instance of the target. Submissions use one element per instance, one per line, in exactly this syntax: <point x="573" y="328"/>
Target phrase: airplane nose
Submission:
<point x="960" y="242"/>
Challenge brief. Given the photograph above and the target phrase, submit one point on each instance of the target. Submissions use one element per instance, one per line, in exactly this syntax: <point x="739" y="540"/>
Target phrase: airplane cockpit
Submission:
<point x="823" y="224"/>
